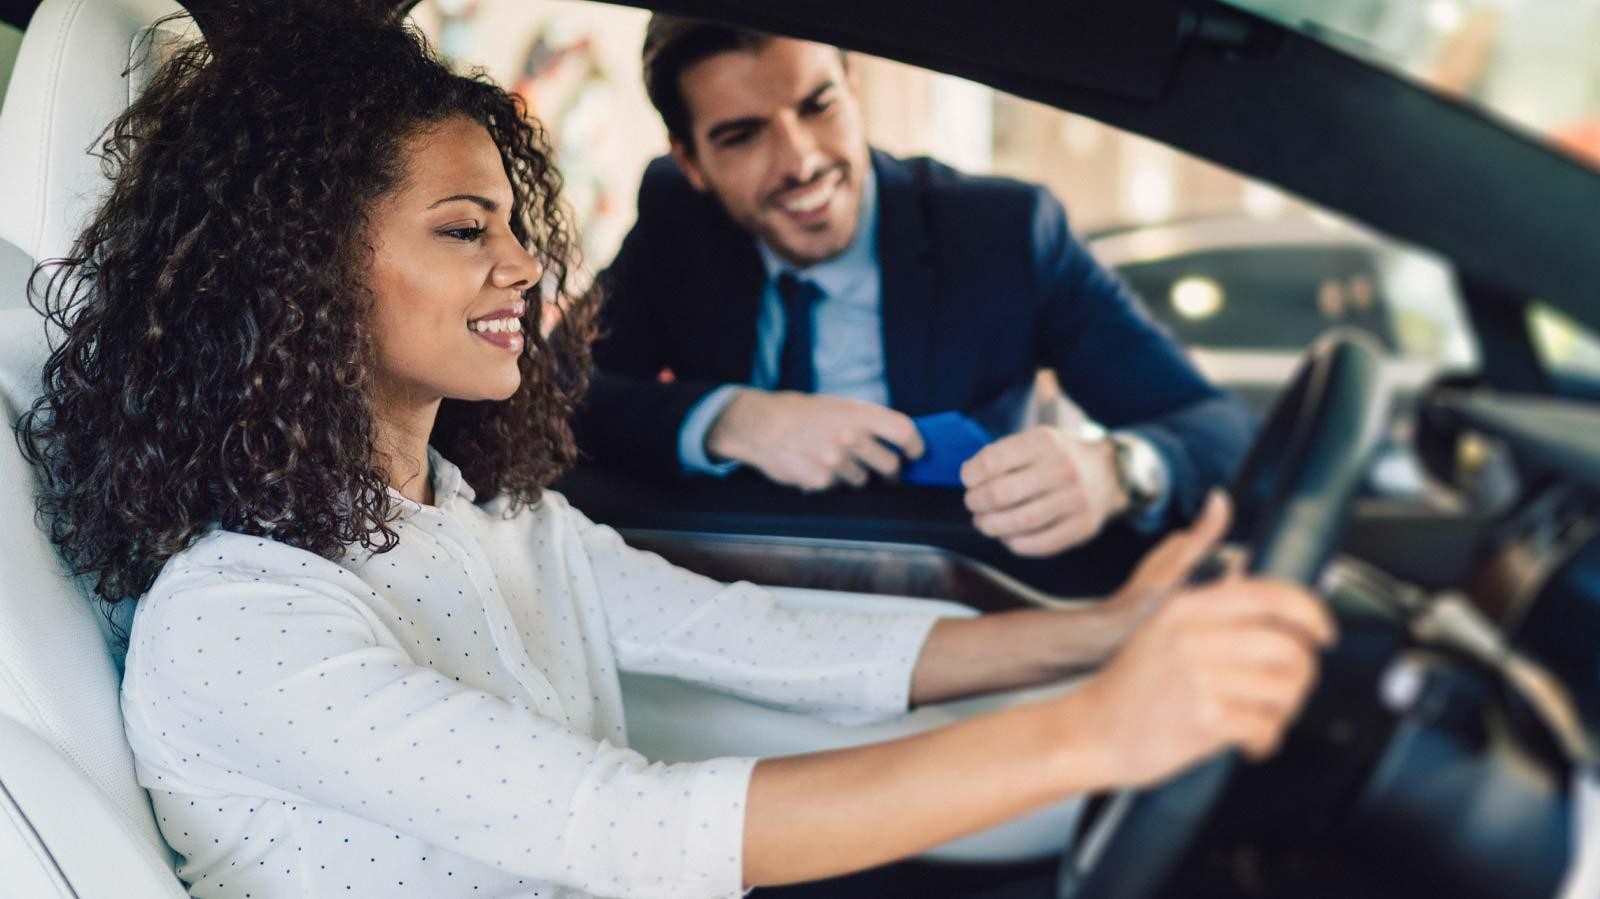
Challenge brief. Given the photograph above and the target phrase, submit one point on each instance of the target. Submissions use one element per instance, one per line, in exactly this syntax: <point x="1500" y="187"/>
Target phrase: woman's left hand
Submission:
<point x="1169" y="566"/>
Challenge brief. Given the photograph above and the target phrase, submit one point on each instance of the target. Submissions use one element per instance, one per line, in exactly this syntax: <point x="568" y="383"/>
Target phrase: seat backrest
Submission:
<point x="15" y="267"/>
<point x="72" y="814"/>
<point x="59" y="837"/>
<point x="58" y="680"/>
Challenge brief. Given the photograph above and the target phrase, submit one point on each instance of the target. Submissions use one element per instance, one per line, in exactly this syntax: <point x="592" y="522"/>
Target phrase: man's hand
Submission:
<point x="812" y="441"/>
<point x="1043" y="490"/>
<point x="1227" y="665"/>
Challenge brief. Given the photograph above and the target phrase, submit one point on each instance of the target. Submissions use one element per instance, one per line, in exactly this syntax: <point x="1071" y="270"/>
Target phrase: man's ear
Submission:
<point x="684" y="157"/>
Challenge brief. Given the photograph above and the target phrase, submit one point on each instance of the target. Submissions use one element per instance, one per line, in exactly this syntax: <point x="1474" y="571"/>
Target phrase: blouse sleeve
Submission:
<point x="845" y="667"/>
<point x="296" y="690"/>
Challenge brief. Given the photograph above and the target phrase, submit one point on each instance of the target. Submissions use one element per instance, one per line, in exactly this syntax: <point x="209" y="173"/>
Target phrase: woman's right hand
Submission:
<point x="1227" y="665"/>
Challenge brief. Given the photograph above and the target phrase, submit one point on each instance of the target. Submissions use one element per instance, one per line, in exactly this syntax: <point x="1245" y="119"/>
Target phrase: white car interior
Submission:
<point x="73" y="820"/>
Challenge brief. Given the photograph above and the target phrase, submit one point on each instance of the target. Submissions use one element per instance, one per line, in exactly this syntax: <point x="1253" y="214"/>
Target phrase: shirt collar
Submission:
<point x="835" y="276"/>
<point x="447" y="484"/>
<point x="447" y="481"/>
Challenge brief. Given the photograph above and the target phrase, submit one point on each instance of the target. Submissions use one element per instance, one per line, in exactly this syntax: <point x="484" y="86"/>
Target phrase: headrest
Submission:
<point x="70" y="81"/>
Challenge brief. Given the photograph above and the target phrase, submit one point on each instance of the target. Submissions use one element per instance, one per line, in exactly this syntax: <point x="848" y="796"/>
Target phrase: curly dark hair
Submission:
<point x="215" y="357"/>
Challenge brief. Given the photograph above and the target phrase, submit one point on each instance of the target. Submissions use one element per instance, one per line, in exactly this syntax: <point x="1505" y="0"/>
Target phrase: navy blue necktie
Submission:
<point x="796" y="370"/>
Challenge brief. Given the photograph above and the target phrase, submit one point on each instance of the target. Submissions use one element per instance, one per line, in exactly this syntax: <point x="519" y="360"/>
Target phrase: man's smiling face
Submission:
<point x="777" y="138"/>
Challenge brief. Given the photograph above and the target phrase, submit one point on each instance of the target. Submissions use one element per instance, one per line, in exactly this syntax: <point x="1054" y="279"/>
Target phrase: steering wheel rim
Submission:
<point x="1292" y="496"/>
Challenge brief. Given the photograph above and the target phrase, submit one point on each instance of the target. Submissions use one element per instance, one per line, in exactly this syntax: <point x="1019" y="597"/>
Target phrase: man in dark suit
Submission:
<point x="789" y="299"/>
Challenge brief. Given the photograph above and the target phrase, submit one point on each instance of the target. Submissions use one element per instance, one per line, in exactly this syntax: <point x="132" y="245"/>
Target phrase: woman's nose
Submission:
<point x="519" y="269"/>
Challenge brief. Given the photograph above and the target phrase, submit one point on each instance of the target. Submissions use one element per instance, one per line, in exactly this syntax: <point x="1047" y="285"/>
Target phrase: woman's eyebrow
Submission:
<point x="487" y="204"/>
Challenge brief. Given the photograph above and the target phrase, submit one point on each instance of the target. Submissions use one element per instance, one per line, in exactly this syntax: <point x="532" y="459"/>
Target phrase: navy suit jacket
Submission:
<point x="982" y="285"/>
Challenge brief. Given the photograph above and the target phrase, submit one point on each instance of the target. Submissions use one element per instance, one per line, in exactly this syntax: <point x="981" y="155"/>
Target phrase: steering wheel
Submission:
<point x="1292" y="496"/>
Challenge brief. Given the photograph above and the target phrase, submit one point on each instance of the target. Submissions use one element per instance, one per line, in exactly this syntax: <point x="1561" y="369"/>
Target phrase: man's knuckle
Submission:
<point x="1037" y="515"/>
<point x="1210" y="716"/>
<point x="1066" y="471"/>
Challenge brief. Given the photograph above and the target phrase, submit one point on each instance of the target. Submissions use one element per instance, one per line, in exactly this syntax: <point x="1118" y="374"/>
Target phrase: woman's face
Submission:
<point x="448" y="274"/>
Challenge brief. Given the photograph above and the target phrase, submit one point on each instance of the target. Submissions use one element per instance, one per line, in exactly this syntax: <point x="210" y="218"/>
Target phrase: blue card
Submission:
<point x="949" y="439"/>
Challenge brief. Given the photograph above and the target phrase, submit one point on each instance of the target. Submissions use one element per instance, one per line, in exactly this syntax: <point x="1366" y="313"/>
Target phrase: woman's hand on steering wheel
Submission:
<point x="1172" y="563"/>
<point x="1222" y="666"/>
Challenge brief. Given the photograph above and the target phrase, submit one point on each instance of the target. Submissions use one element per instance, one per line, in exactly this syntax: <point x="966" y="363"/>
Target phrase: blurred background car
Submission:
<point x="1247" y="294"/>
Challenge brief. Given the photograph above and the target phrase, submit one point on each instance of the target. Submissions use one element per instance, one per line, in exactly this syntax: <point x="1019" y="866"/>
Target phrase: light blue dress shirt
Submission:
<point x="847" y="334"/>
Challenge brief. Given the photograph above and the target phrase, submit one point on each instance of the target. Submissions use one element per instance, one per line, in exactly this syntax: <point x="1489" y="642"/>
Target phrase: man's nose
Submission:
<point x="798" y="156"/>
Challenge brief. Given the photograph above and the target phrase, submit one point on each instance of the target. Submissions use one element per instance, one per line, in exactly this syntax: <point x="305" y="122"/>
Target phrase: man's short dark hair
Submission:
<point x="673" y="44"/>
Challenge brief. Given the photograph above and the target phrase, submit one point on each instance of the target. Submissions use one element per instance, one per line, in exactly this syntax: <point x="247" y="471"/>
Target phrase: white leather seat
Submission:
<point x="73" y="821"/>
<point x="15" y="267"/>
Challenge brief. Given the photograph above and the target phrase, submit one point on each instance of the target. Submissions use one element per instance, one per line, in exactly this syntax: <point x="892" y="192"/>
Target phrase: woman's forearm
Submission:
<point x="830" y="813"/>
<point x="963" y="656"/>
<point x="1218" y="666"/>
<point x="1006" y="650"/>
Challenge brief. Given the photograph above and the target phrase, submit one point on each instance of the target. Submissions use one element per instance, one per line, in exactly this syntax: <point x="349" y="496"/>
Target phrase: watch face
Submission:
<point x="1140" y="469"/>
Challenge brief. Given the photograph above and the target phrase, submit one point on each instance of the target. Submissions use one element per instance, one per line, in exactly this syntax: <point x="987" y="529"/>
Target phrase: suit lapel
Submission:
<point x="905" y="253"/>
<point x="730" y="299"/>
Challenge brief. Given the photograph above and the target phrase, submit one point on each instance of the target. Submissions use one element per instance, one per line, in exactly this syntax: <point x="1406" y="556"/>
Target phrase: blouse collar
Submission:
<point x="447" y="484"/>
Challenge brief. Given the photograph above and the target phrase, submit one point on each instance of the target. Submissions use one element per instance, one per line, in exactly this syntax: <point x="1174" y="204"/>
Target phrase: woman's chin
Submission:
<point x="506" y="391"/>
<point x="495" y="391"/>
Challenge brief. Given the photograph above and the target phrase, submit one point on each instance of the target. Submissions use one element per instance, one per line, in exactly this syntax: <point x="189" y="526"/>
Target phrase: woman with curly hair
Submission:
<point x="357" y="669"/>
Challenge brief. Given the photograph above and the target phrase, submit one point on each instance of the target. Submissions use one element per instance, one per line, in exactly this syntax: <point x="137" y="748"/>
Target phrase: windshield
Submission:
<point x="1531" y="62"/>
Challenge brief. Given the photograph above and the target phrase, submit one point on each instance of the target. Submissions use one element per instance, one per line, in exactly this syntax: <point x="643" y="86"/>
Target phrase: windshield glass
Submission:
<point x="1241" y="274"/>
<point x="1531" y="62"/>
<point x="1233" y="268"/>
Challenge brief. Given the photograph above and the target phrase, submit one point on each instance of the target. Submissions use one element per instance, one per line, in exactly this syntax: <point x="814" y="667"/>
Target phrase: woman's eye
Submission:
<point x="465" y="234"/>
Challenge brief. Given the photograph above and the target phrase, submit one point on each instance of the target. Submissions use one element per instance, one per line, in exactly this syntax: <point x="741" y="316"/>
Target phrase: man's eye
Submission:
<point x="738" y="138"/>
<point x="464" y="234"/>
<point x="817" y="107"/>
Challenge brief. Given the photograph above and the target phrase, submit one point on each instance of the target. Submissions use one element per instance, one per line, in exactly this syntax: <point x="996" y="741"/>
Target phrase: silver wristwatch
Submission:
<point x="1141" y="472"/>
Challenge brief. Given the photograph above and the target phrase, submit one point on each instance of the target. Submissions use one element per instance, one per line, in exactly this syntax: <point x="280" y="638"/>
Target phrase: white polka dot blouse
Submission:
<point x="444" y="719"/>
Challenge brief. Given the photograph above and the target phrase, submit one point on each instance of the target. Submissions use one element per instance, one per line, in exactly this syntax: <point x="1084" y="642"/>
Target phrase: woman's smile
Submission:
<point x="502" y="328"/>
